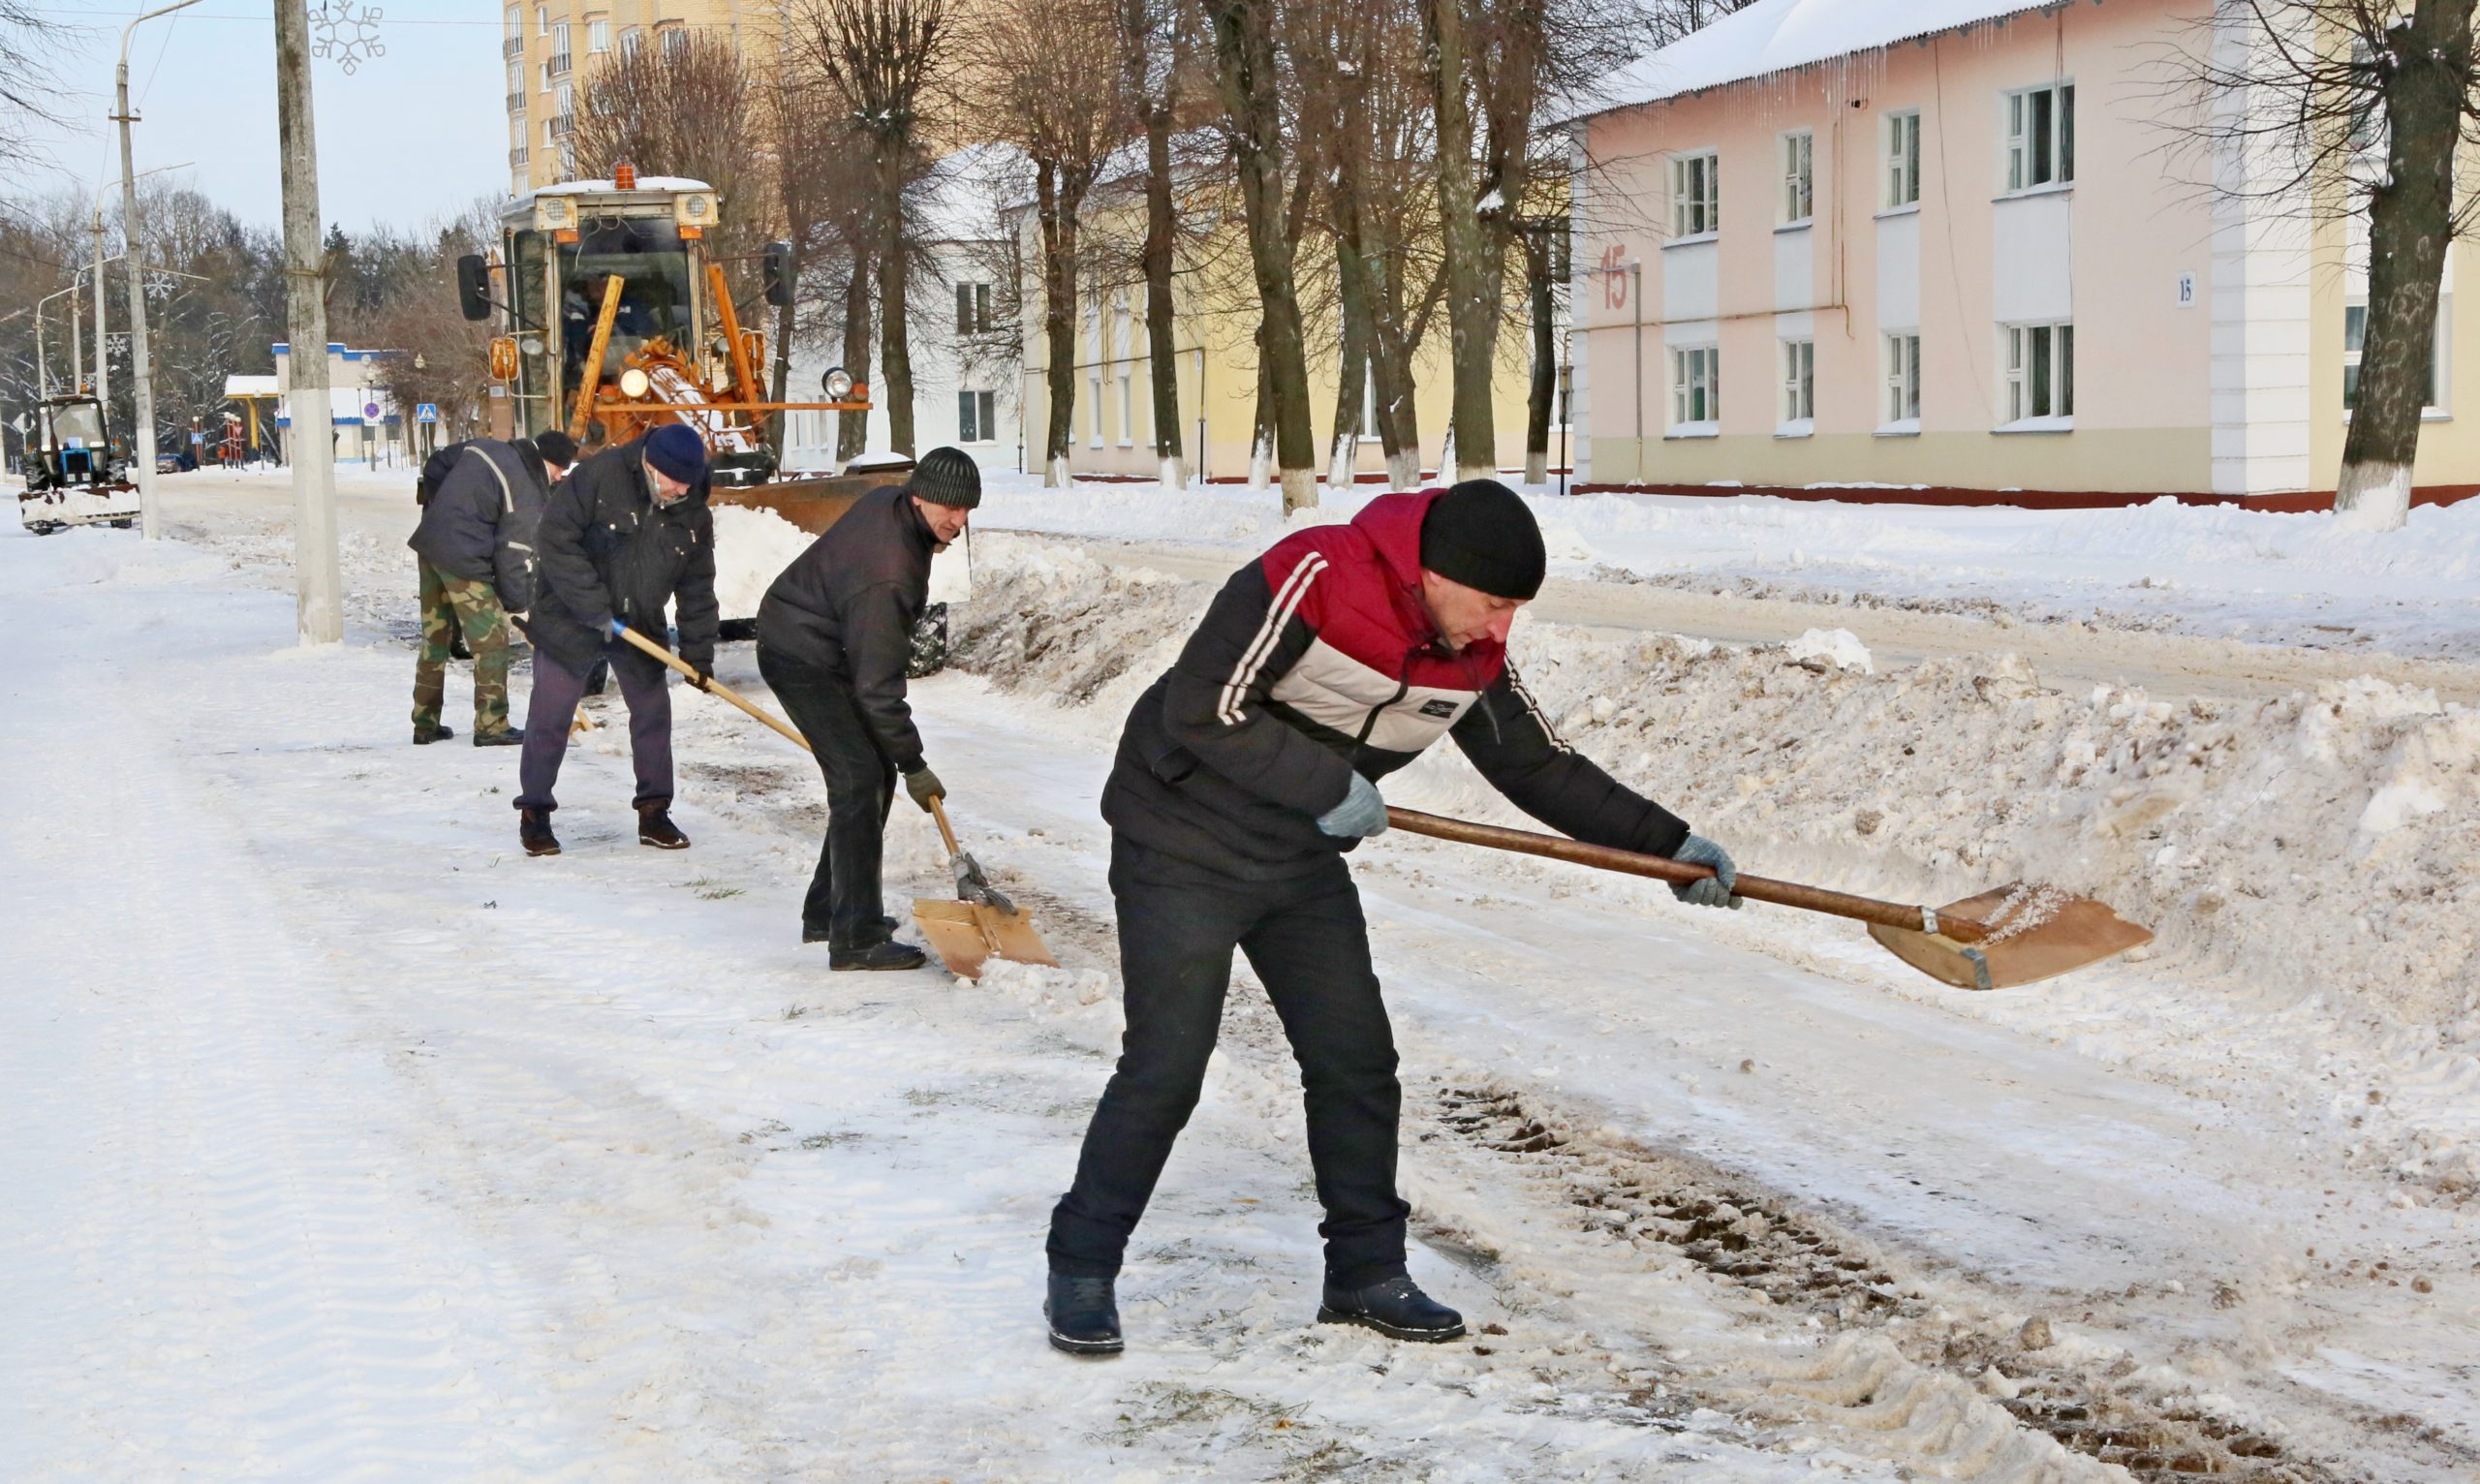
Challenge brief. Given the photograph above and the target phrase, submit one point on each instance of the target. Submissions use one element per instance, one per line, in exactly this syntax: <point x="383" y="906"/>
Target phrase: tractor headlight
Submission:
<point x="838" y="384"/>
<point x="634" y="382"/>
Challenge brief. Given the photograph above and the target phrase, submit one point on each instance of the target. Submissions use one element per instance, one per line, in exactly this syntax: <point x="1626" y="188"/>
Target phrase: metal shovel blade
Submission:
<point x="2033" y="933"/>
<point x="967" y="935"/>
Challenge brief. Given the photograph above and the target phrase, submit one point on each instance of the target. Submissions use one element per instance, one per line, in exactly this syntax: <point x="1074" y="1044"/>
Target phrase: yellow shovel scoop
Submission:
<point x="981" y="925"/>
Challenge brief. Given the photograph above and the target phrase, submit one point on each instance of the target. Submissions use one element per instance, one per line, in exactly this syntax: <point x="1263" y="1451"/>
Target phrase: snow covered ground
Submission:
<point x="2219" y="573"/>
<point x="345" y="1141"/>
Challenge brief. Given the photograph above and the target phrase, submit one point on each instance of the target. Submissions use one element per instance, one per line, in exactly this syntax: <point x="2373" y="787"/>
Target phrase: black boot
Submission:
<point x="534" y="832"/>
<point x="1084" y="1315"/>
<point x="424" y="736"/>
<point x="1394" y="1306"/>
<point x="505" y="736"/>
<point x="875" y="955"/>
<point x="655" y="827"/>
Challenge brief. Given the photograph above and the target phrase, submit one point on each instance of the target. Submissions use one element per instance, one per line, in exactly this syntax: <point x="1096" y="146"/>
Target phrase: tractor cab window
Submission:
<point x="653" y="265"/>
<point x="79" y="425"/>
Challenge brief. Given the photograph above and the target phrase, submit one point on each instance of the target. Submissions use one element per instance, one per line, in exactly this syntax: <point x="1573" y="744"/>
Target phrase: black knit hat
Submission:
<point x="557" y="448"/>
<point x="1482" y="535"/>
<point x="948" y="476"/>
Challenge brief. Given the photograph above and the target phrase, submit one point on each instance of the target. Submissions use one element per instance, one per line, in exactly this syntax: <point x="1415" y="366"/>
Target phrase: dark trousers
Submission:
<point x="843" y="898"/>
<point x="553" y="706"/>
<point x="1308" y="943"/>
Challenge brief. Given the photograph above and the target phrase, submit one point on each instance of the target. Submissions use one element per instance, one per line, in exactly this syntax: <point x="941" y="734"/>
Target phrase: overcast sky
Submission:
<point x="411" y="136"/>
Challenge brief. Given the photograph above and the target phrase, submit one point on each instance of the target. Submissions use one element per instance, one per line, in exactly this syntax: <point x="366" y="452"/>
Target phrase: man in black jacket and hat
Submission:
<point x="626" y="536"/>
<point x="474" y="550"/>
<point x="1243" y="776"/>
<point x="834" y="635"/>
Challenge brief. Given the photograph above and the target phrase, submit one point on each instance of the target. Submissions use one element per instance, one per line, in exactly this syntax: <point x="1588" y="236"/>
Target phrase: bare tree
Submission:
<point x="1157" y="48"/>
<point x="686" y="108"/>
<point x="1042" y="94"/>
<point x="27" y="95"/>
<point x="1668" y="21"/>
<point x="2318" y="107"/>
<point x="884" y="59"/>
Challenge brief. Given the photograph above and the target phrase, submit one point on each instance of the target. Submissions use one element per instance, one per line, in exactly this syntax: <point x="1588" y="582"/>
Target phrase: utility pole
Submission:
<point x="318" y="581"/>
<point x="150" y="509"/>
<point x="102" y="354"/>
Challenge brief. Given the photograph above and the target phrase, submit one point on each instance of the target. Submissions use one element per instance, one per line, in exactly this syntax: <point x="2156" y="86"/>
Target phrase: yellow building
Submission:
<point x="548" y="45"/>
<point x="1215" y="316"/>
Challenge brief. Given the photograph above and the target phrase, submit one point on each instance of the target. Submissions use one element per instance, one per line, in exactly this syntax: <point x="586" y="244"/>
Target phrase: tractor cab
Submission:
<point x="74" y="475"/>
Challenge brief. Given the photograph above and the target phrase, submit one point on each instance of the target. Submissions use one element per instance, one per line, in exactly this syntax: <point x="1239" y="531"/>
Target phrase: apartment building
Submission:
<point x="1948" y="249"/>
<point x="548" y="45"/>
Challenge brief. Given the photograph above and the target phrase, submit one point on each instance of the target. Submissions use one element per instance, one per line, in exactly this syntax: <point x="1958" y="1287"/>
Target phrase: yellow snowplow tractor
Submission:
<point x="614" y="319"/>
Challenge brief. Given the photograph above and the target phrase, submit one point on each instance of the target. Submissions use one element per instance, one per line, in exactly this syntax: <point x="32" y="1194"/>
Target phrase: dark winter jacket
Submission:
<point x="480" y="523"/>
<point x="607" y="550"/>
<point x="846" y="607"/>
<point x="1319" y="658"/>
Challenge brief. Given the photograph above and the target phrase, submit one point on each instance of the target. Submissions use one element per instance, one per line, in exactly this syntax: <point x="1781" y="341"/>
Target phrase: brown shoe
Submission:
<point x="655" y="828"/>
<point x="534" y="832"/>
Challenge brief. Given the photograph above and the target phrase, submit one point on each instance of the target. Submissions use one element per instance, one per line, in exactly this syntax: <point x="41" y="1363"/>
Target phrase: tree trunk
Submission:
<point x="1473" y="271"/>
<point x="1162" y="357"/>
<point x="2410" y="223"/>
<point x="853" y="428"/>
<point x="1539" y="257"/>
<point x="1390" y="366"/>
<point x="1057" y="210"/>
<point x="895" y="345"/>
<point x="1352" y="378"/>
<point x="1244" y="46"/>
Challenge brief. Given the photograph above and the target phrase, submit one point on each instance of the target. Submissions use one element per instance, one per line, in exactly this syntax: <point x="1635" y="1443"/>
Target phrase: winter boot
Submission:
<point x="534" y="832"/>
<point x="424" y="736"/>
<point x="875" y="955"/>
<point x="505" y="736"/>
<point x="1394" y="1306"/>
<point x="655" y="827"/>
<point x="456" y="647"/>
<point x="1084" y="1315"/>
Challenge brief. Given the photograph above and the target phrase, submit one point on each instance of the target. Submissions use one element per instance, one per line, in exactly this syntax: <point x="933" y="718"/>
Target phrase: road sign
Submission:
<point x="371" y="411"/>
<point x="426" y="412"/>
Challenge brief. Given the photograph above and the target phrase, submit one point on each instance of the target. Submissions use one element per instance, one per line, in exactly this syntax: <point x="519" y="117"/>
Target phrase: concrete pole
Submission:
<point x="150" y="513"/>
<point x="319" y="580"/>
<point x="103" y="337"/>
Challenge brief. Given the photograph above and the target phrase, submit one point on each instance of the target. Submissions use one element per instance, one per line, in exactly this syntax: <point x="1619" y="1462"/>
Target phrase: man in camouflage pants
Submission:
<point x="474" y="551"/>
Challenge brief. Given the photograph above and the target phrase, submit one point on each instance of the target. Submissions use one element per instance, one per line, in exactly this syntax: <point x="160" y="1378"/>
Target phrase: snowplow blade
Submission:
<point x="967" y="935"/>
<point x="2031" y="935"/>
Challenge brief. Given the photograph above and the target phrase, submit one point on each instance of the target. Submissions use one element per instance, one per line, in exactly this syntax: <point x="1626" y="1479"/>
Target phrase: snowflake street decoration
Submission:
<point x="348" y="31"/>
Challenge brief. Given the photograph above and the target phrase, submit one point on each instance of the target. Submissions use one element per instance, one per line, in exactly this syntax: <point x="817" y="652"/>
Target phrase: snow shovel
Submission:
<point x="2015" y="935"/>
<point x="967" y="933"/>
<point x="981" y="924"/>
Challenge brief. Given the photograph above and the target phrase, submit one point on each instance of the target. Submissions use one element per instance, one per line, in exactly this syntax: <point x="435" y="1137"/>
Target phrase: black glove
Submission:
<point x="924" y="785"/>
<point x="704" y="676"/>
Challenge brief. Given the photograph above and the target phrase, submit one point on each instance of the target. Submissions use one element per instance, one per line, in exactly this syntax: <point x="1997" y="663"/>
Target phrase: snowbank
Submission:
<point x="2316" y="854"/>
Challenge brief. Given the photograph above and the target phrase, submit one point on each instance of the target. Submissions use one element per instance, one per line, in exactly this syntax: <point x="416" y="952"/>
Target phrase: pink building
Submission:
<point x="1959" y="245"/>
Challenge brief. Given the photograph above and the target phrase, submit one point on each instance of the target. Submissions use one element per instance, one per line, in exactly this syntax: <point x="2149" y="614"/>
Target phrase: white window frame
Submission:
<point x="1127" y="407"/>
<point x="2035" y="163"/>
<point x="598" y="34"/>
<point x="1902" y="137"/>
<point x="2036" y="371"/>
<point x="1799" y="202"/>
<point x="1799" y="409"/>
<point x="630" y="39"/>
<point x="2440" y="403"/>
<point x="1695" y="194"/>
<point x="1094" y="395"/>
<point x="1368" y="399"/>
<point x="976" y="417"/>
<point x="1696" y="390"/>
<point x="542" y="21"/>
<point x="516" y="20"/>
<point x="1901" y="404"/>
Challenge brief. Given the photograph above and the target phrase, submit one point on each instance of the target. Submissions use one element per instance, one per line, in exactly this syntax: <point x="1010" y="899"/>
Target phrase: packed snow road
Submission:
<point x="352" y="1142"/>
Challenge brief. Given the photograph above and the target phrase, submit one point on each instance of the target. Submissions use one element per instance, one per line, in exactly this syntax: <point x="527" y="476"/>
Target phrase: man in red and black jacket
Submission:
<point x="1243" y="775"/>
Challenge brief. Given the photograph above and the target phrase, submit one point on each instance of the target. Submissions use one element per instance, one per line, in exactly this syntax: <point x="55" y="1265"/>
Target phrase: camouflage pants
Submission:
<point x="449" y="605"/>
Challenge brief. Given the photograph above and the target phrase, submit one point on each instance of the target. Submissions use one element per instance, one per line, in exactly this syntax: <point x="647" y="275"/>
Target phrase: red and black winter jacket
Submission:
<point x="1318" y="659"/>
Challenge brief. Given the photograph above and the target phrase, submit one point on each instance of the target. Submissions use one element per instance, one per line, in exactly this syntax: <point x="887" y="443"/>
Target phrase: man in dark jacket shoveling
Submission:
<point x="1242" y="777"/>
<point x="473" y="548"/>
<point x="834" y="635"/>
<point x="629" y="535"/>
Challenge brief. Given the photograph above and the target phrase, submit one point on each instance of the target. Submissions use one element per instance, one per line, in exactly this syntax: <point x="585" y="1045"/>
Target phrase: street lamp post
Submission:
<point x="150" y="511"/>
<point x="103" y="359"/>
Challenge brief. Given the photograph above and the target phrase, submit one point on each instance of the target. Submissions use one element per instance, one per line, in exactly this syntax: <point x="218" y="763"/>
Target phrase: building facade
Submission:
<point x="547" y="46"/>
<point x="367" y="428"/>
<point x="1853" y="243"/>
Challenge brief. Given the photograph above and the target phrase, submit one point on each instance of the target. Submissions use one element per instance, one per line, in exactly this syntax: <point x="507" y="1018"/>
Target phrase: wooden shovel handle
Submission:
<point x="939" y="812"/>
<point x="1757" y="888"/>
<point x="715" y="687"/>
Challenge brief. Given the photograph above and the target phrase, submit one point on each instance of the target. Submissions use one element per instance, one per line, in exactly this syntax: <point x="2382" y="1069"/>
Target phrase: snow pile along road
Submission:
<point x="2254" y="837"/>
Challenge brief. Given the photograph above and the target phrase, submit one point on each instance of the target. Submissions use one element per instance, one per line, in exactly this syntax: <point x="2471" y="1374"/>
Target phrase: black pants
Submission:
<point x="1308" y="943"/>
<point x="844" y="897"/>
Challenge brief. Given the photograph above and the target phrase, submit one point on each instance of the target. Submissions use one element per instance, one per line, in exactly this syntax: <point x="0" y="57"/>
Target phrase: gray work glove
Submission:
<point x="1361" y="815"/>
<point x="924" y="785"/>
<point x="1716" y="890"/>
